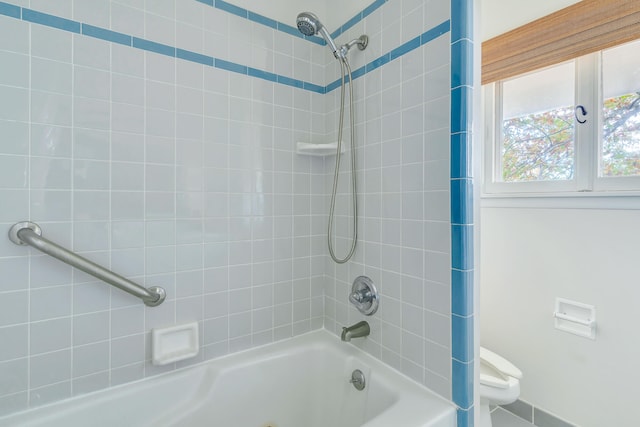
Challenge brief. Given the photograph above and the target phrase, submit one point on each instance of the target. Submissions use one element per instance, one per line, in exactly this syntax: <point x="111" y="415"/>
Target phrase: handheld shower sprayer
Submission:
<point x="309" y="25"/>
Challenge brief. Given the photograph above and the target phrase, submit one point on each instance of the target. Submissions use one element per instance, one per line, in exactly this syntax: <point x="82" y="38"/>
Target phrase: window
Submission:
<point x="570" y="127"/>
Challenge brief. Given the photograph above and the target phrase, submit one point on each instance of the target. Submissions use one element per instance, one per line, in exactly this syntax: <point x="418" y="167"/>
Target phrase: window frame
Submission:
<point x="587" y="142"/>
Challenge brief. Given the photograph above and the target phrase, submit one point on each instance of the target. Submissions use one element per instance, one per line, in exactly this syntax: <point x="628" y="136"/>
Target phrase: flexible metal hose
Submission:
<point x="354" y="189"/>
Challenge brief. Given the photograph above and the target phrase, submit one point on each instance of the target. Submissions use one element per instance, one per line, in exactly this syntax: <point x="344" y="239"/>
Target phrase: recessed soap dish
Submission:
<point x="175" y="343"/>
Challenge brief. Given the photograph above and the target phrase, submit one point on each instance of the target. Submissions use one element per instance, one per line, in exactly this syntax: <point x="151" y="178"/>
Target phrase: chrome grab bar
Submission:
<point x="29" y="233"/>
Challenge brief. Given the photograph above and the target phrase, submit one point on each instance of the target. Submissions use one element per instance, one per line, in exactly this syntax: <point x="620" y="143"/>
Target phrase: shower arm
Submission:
<point x="361" y="42"/>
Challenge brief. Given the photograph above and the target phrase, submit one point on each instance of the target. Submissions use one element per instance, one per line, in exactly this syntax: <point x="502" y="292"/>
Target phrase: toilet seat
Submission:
<point x="499" y="383"/>
<point x="496" y="371"/>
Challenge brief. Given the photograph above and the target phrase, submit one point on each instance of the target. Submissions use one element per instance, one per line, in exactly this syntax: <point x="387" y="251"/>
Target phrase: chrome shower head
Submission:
<point x="310" y="25"/>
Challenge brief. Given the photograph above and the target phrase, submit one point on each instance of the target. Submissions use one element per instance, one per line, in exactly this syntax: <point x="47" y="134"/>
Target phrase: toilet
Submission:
<point x="499" y="383"/>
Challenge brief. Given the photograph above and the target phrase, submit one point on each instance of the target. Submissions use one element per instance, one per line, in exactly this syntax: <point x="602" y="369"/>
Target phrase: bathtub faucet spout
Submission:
<point x="360" y="329"/>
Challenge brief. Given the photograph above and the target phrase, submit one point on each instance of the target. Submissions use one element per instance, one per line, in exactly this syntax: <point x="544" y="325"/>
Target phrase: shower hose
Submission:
<point x="344" y="64"/>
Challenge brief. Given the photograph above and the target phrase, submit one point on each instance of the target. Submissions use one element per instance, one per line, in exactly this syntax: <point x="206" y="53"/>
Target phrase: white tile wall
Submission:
<point x="170" y="173"/>
<point x="403" y="133"/>
<point x="184" y="176"/>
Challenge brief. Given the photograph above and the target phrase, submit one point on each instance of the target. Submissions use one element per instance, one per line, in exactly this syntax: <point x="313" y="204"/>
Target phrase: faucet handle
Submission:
<point x="364" y="295"/>
<point x="360" y="297"/>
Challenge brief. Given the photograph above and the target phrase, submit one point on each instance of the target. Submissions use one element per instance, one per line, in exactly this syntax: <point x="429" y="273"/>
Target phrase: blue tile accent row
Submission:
<point x="461" y="340"/>
<point x="369" y="10"/>
<point x="435" y="32"/>
<point x="462" y="247"/>
<point x="461" y="201"/>
<point x="50" y="20"/>
<point x="462" y="292"/>
<point x="462" y="228"/>
<point x="462" y="377"/>
<point x="195" y="57"/>
<point x="463" y="25"/>
<point x="7" y="9"/>
<point x="163" y="49"/>
<point x="108" y="35"/>
<point x="231" y="66"/>
<point x="291" y="82"/>
<point x="233" y="9"/>
<point x="289" y="29"/>
<point x="396" y="53"/>
<point x="461" y="63"/>
<point x="377" y="63"/>
<point x="152" y="46"/>
<point x="314" y="87"/>
<point x="263" y="20"/>
<point x="264" y="75"/>
<point x="465" y="417"/>
<point x="358" y="17"/>
<point x="461" y="166"/>
<point x="461" y="104"/>
<point x="404" y="48"/>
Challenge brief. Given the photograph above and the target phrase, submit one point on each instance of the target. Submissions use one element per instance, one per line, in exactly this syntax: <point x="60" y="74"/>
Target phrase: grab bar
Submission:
<point x="29" y="233"/>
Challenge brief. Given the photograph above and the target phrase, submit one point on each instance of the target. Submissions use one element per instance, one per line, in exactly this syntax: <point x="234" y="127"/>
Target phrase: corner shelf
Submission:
<point x="320" y="150"/>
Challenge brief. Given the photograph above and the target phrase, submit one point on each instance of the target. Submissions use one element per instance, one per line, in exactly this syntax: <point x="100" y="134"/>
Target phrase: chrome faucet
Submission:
<point x="360" y="329"/>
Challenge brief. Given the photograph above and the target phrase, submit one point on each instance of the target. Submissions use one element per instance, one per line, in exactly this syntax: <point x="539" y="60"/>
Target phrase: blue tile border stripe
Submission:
<point x="263" y="20"/>
<point x="50" y="20"/>
<point x="465" y="417"/>
<point x="233" y="9"/>
<point x="187" y="55"/>
<point x="396" y="53"/>
<point x="461" y="201"/>
<point x="461" y="166"/>
<point x="286" y="28"/>
<point x="108" y="35"/>
<point x="405" y="48"/>
<point x="461" y="339"/>
<point x="462" y="377"/>
<point x="152" y="46"/>
<point x="36" y="17"/>
<point x="358" y="17"/>
<point x="462" y="218"/>
<point x="289" y="29"/>
<point x="462" y="292"/>
<point x="7" y="9"/>
<point x="231" y="66"/>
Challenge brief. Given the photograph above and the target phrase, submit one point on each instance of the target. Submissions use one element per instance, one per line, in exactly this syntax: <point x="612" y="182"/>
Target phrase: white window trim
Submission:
<point x="587" y="184"/>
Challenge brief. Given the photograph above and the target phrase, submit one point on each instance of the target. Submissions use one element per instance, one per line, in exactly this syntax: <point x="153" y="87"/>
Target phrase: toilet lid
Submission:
<point x="499" y="364"/>
<point x="491" y="377"/>
<point x="496" y="371"/>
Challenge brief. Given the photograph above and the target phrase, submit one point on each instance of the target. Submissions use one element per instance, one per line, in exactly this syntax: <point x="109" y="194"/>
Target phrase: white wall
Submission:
<point x="531" y="256"/>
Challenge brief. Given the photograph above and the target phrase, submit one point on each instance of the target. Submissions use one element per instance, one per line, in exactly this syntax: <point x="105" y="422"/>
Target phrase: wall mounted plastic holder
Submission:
<point x="575" y="317"/>
<point x="175" y="343"/>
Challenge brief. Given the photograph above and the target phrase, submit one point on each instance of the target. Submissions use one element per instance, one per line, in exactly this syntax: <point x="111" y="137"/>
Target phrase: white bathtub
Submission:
<point x="300" y="382"/>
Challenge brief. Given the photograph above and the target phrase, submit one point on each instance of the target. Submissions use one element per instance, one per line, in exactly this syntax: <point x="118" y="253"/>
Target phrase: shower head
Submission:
<point x="310" y="25"/>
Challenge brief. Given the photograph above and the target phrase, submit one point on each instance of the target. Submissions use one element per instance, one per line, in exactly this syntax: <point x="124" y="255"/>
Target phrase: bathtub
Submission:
<point x="299" y="382"/>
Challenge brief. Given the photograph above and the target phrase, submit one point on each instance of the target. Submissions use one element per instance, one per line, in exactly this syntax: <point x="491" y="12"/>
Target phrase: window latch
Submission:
<point x="583" y="112"/>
